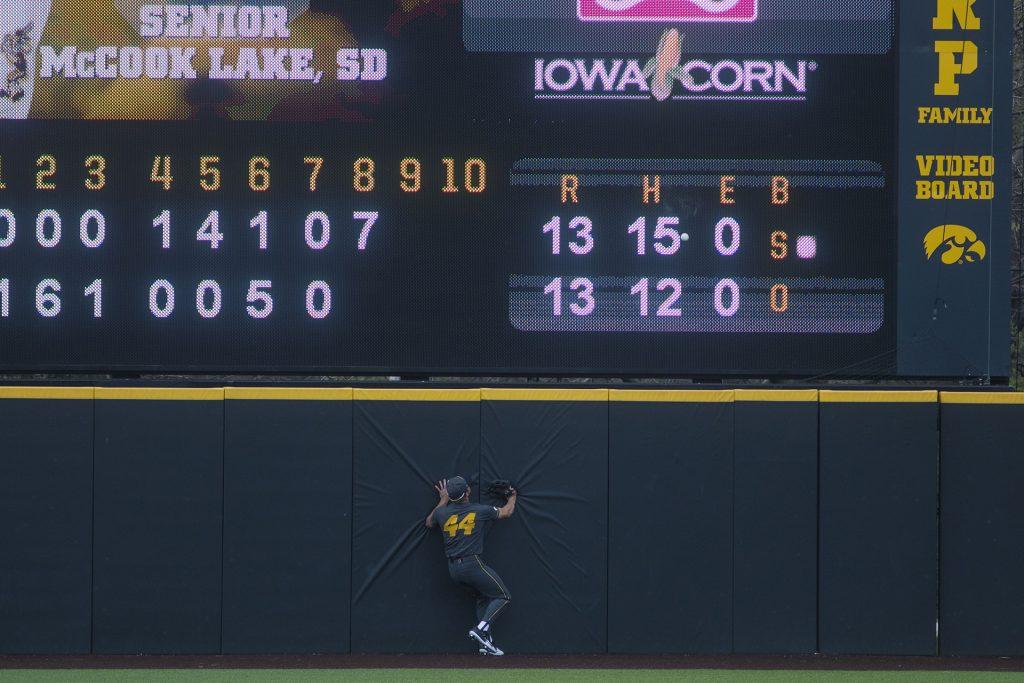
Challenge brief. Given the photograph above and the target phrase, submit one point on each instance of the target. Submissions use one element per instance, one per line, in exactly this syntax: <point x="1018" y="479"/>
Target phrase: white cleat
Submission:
<point x="487" y="646"/>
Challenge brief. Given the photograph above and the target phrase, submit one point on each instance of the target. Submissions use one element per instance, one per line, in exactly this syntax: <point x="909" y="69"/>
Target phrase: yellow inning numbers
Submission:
<point x="454" y="526"/>
<point x="413" y="175"/>
<point x="259" y="174"/>
<point x="161" y="172"/>
<point x="46" y="166"/>
<point x="96" y="167"/>
<point x="317" y="163"/>
<point x="363" y="179"/>
<point x="474" y="176"/>
<point x="209" y="173"/>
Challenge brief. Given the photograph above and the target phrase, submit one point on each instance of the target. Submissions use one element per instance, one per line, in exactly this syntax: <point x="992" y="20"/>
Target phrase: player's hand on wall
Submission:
<point x="442" y="490"/>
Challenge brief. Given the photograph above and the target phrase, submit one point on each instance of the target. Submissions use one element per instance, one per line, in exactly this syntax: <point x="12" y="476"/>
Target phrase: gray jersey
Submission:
<point x="463" y="526"/>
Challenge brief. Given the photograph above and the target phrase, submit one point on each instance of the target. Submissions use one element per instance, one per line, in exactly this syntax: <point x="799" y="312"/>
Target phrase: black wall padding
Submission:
<point x="776" y="545"/>
<point x="670" y="536"/>
<point x="879" y="536"/>
<point x="45" y="526"/>
<point x="402" y="597"/>
<point x="157" y="580"/>
<point x="552" y="553"/>
<point x="982" y="602"/>
<point x="287" y="526"/>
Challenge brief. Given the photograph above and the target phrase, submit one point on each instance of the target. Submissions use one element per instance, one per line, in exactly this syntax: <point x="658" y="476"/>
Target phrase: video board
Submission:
<point x="565" y="187"/>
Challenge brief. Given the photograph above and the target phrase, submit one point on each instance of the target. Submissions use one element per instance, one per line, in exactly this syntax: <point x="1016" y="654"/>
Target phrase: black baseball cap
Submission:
<point x="456" y="487"/>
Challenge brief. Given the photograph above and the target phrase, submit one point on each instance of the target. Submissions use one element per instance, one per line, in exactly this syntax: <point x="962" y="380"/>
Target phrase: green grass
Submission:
<point x="493" y="675"/>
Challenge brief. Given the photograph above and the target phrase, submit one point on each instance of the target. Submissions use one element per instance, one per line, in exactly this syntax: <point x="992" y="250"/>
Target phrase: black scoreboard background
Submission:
<point x="648" y="199"/>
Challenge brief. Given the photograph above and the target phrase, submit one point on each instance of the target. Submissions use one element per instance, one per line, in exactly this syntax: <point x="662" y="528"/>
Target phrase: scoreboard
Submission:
<point x="811" y="188"/>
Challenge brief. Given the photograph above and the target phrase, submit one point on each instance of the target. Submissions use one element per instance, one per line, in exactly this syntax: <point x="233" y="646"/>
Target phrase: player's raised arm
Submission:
<point x="505" y="511"/>
<point x="442" y="494"/>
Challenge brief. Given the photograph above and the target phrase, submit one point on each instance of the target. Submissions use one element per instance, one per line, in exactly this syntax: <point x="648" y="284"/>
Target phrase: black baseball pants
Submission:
<point x="475" y="576"/>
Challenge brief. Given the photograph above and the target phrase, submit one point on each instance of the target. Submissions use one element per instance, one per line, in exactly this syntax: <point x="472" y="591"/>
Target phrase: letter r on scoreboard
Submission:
<point x="667" y="10"/>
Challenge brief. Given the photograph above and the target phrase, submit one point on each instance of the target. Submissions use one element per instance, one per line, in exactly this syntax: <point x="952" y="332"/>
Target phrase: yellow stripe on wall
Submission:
<point x="77" y="393"/>
<point x="286" y="394"/>
<point x="544" y="394"/>
<point x="673" y="395"/>
<point x="780" y="395"/>
<point x="416" y="394"/>
<point x="977" y="397"/>
<point x="158" y="394"/>
<point x="628" y="395"/>
<point x="928" y="396"/>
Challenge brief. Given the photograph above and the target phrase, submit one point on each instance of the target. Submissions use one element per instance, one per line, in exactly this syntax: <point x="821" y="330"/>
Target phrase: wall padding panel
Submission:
<point x="46" y="513"/>
<point x="670" y="568"/>
<point x="402" y="597"/>
<point x="287" y="520"/>
<point x="982" y="602"/>
<point x="552" y="554"/>
<point x="775" y="570"/>
<point x="158" y="502"/>
<point x="878" y="552"/>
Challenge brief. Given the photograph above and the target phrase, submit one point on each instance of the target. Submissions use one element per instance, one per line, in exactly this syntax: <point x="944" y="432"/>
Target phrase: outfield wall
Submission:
<point x="270" y="520"/>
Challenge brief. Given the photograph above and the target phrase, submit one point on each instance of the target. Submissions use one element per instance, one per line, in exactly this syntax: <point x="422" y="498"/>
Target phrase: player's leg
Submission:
<point x="493" y="589"/>
<point x="489" y="591"/>
<point x="465" y="575"/>
<point x="494" y="596"/>
<point x="481" y="605"/>
<point x="482" y="601"/>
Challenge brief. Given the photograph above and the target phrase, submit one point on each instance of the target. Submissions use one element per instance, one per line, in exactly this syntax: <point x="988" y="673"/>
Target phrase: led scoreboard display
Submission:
<point x="810" y="188"/>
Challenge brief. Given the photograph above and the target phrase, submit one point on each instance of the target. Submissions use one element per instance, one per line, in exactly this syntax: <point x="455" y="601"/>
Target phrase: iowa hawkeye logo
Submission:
<point x="959" y="245"/>
<point x="667" y="10"/>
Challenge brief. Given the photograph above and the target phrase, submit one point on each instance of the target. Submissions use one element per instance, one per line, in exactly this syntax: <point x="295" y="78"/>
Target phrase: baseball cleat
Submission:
<point x="487" y="646"/>
<point x="480" y="637"/>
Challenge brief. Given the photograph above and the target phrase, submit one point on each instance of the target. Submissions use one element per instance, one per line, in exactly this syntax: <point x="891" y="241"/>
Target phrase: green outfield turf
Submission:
<point x="494" y="675"/>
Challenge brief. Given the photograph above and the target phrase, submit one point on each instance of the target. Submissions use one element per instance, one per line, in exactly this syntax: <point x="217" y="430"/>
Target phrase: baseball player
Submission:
<point x="463" y="525"/>
<point x="21" y="25"/>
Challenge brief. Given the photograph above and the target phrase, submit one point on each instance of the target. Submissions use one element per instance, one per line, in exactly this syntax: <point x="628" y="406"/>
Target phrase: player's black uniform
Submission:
<point x="463" y="526"/>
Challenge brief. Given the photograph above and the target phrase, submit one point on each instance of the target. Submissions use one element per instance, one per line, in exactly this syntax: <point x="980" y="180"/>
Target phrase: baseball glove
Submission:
<point x="500" y="488"/>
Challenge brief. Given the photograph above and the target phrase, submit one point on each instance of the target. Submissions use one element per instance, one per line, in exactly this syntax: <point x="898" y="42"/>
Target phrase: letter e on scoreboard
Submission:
<point x="727" y="187"/>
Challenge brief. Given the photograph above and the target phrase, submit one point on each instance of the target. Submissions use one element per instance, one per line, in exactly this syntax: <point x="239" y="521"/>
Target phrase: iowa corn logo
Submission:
<point x="957" y="244"/>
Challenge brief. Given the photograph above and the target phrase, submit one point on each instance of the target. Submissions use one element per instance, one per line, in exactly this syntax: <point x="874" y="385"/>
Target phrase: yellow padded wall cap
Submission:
<point x="287" y="394"/>
<point x="926" y="396"/>
<point x="673" y="395"/>
<point x="779" y="395"/>
<point x="158" y="394"/>
<point x="979" y="397"/>
<point x="72" y="393"/>
<point x="416" y="394"/>
<point x="544" y="394"/>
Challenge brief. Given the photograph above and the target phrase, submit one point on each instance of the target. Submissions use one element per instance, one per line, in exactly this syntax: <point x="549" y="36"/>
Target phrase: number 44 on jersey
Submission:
<point x="453" y="526"/>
